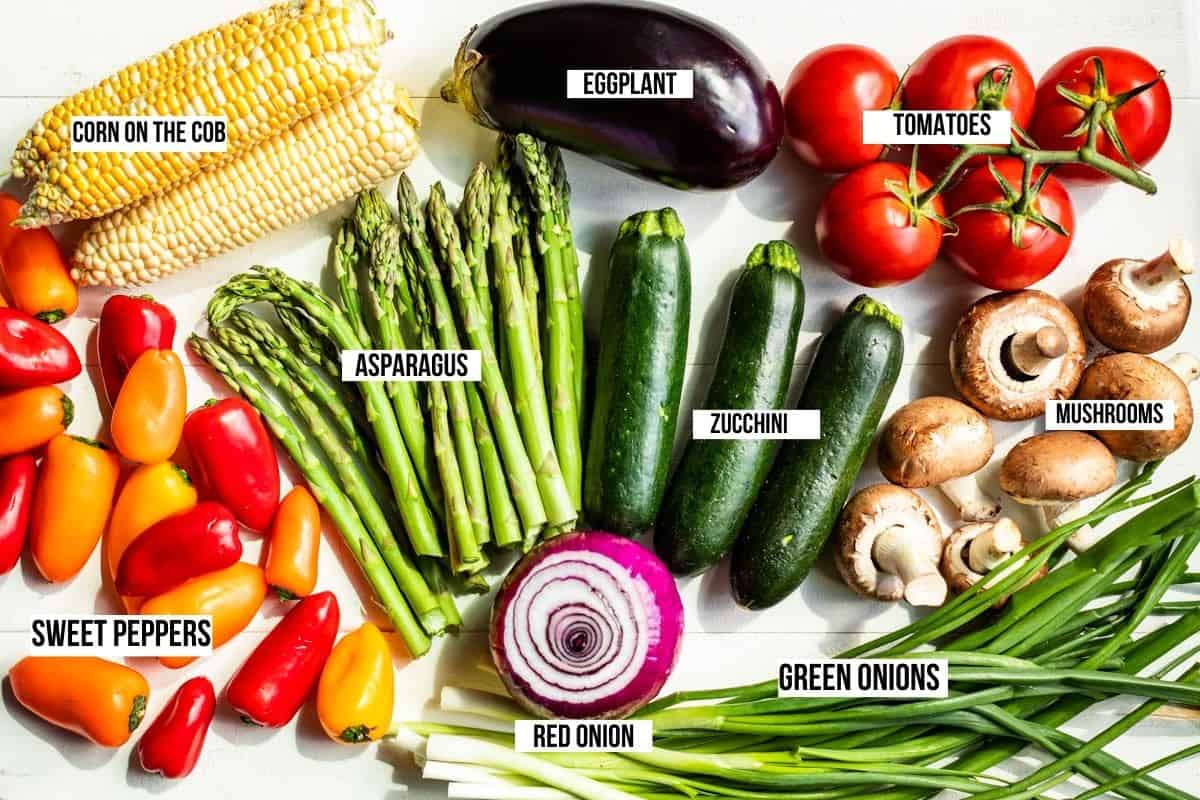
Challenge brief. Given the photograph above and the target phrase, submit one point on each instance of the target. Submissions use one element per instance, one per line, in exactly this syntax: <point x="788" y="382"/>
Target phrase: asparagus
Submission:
<point x="474" y="214"/>
<point x="528" y="392"/>
<point x="353" y="481"/>
<point x="436" y="577"/>
<point x="344" y="258"/>
<point x="522" y="241"/>
<point x="372" y="219"/>
<point x="556" y="497"/>
<point x="373" y="224"/>
<point x="465" y="555"/>
<point x="522" y="481"/>
<point x="561" y="197"/>
<point x="560" y="359"/>
<point x="316" y="385"/>
<point x="325" y="489"/>
<point x="506" y="528"/>
<point x="273" y="286"/>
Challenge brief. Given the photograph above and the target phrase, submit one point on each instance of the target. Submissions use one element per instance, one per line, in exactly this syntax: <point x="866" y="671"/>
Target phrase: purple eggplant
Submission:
<point x="510" y="74"/>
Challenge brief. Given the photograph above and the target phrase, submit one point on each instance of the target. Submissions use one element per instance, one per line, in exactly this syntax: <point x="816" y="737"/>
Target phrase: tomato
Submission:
<point x="984" y="249"/>
<point x="865" y="229"/>
<point x="947" y="76"/>
<point x="1141" y="120"/>
<point x="824" y="100"/>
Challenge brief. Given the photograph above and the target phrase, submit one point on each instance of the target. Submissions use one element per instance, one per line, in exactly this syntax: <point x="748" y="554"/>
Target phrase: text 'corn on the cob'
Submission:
<point x="267" y="72"/>
<point x="319" y="162"/>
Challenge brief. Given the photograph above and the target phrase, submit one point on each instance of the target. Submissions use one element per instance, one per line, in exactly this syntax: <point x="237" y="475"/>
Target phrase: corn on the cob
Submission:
<point x="261" y="86"/>
<point x="50" y="135"/>
<point x="323" y="160"/>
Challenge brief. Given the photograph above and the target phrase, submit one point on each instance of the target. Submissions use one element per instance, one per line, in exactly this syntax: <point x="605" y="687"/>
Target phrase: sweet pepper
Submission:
<point x="185" y="545"/>
<point x="31" y="417"/>
<point x="171" y="745"/>
<point x="283" y="670"/>
<point x="129" y="326"/>
<point x="33" y="353"/>
<point x="17" y="477"/>
<point x="147" y="419"/>
<point x="234" y="459"/>
<point x="38" y="278"/>
<point x="100" y="700"/>
<point x="294" y="544"/>
<point x="357" y="688"/>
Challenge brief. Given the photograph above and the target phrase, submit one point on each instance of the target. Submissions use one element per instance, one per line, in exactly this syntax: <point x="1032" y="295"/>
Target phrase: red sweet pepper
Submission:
<point x="283" y="670"/>
<point x="33" y="353"/>
<point x="195" y="542"/>
<point x="234" y="459"/>
<point x="171" y="746"/>
<point x="17" y="477"/>
<point x="129" y="326"/>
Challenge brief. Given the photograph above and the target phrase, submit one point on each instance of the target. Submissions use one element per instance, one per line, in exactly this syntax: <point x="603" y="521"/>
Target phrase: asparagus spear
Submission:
<point x="354" y="482"/>
<point x="273" y="286"/>
<point x="474" y="213"/>
<point x="518" y="207"/>
<point x="316" y="385"/>
<point x="560" y="359"/>
<point x="560" y="508"/>
<point x="344" y="258"/>
<point x="522" y="481"/>
<point x="561" y="197"/>
<point x="528" y="392"/>
<point x="372" y="219"/>
<point x="438" y="582"/>
<point x="465" y="555"/>
<point x="325" y="489"/>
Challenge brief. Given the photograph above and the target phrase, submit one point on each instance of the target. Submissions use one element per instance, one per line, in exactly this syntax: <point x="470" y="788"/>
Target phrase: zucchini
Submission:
<point x="717" y="480"/>
<point x="639" y="373"/>
<point x="850" y="382"/>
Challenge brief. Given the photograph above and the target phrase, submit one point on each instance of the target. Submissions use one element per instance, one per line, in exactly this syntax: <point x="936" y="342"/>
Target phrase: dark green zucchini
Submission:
<point x="717" y="480"/>
<point x="639" y="373"/>
<point x="850" y="381"/>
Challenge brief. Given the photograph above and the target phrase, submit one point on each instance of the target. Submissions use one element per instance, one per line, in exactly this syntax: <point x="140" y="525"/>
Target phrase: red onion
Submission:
<point x="587" y="625"/>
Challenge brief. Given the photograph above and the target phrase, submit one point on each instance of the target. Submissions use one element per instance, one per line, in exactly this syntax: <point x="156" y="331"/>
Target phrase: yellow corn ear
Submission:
<point x="324" y="159"/>
<point x="49" y="137"/>
<point x="260" y="86"/>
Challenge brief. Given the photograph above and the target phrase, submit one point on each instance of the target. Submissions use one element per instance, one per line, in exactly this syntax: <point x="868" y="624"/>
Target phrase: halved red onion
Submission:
<point x="587" y="625"/>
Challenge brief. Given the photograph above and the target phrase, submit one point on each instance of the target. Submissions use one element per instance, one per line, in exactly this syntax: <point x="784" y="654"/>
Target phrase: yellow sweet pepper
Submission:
<point x="357" y="688"/>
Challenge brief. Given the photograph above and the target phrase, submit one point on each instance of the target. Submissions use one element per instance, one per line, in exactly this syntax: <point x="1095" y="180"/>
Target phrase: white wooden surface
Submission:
<point x="55" y="47"/>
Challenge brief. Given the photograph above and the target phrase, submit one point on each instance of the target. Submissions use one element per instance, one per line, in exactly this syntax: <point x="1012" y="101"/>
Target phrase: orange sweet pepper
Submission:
<point x="39" y="281"/>
<point x="231" y="595"/>
<point x="31" y="417"/>
<point x="147" y="419"/>
<point x="357" y="687"/>
<point x="100" y="700"/>
<point x="295" y="540"/>
<point x="71" y="504"/>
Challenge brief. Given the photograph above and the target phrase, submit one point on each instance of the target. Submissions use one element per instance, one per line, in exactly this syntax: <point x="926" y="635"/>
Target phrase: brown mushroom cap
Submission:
<point x="932" y="440"/>
<point x="870" y="512"/>
<point x="1130" y="376"/>
<point x="1117" y="320"/>
<point x="978" y="362"/>
<point x="1057" y="467"/>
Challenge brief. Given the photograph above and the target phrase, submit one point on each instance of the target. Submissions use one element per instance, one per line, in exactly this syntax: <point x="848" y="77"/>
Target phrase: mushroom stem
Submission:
<point x="895" y="552"/>
<point x="1032" y="351"/>
<point x="994" y="545"/>
<point x="1084" y="538"/>
<point x="1185" y="365"/>
<point x="1171" y="266"/>
<point x="972" y="504"/>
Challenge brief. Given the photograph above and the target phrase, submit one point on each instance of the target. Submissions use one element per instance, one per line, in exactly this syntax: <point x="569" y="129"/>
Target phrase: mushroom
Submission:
<point x="1056" y="470"/>
<point x="938" y="441"/>
<point x="1131" y="376"/>
<point x="1013" y="351"/>
<point x="1140" y="306"/>
<point x="889" y="546"/>
<point x="974" y="550"/>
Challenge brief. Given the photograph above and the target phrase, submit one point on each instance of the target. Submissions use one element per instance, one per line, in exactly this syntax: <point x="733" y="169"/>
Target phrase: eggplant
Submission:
<point x="510" y="74"/>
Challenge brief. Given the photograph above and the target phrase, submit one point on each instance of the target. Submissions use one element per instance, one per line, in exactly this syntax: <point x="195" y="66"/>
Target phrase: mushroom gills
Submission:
<point x="1156" y="285"/>
<point x="990" y="548"/>
<point x="898" y="553"/>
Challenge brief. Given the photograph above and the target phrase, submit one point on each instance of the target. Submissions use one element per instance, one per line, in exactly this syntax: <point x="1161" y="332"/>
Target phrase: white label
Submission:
<point x="584" y="736"/>
<point x="752" y="424"/>
<point x="937" y="127"/>
<point x="121" y="635"/>
<point x="629" y="84"/>
<point x="1110" y="415"/>
<point x="175" y="134"/>
<point x="411" y="365"/>
<point x="865" y="677"/>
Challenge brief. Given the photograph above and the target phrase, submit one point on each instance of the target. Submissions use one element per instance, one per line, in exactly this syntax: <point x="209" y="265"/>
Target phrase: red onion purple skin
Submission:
<point x="665" y="622"/>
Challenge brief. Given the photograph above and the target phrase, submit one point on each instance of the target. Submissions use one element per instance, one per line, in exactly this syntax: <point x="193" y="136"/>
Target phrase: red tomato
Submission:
<point x="865" y="229"/>
<point x="983" y="248"/>
<point x="947" y="77"/>
<point x="1142" y="121"/>
<point x="824" y="100"/>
